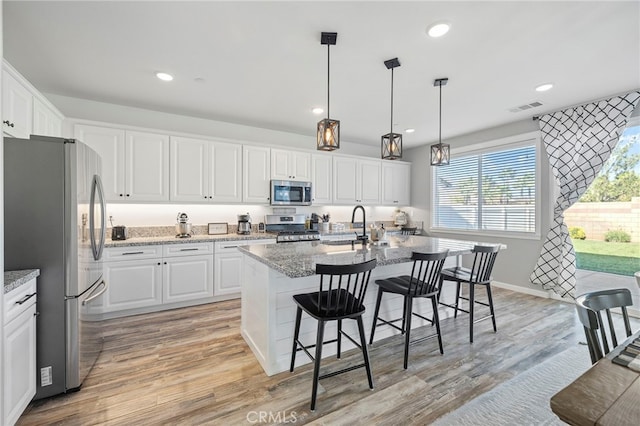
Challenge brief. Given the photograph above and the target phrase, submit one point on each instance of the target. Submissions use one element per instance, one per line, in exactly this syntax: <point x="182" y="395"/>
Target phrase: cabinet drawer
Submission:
<point x="231" y="246"/>
<point x="174" y="250"/>
<point x="19" y="300"/>
<point x="132" y="253"/>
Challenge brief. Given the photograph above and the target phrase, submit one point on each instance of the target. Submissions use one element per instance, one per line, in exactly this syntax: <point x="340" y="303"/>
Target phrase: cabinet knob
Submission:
<point x="128" y="195"/>
<point x="158" y="263"/>
<point x="205" y="197"/>
<point x="210" y="196"/>
<point x="122" y="195"/>
<point x="165" y="263"/>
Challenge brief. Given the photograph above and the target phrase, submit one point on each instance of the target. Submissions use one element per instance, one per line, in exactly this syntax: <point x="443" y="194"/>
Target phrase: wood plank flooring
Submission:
<point x="190" y="366"/>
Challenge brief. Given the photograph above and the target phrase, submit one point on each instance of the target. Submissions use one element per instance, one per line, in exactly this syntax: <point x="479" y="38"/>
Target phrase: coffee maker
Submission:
<point x="244" y="224"/>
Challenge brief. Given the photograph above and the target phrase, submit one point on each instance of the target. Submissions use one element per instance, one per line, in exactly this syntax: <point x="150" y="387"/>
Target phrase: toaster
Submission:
<point x="119" y="233"/>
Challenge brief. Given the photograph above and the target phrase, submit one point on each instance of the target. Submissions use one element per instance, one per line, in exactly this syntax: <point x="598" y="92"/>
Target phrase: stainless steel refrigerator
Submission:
<point x="55" y="221"/>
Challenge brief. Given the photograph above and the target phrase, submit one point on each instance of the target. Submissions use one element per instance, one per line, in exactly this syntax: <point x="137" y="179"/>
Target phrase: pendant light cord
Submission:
<point x="391" y="124"/>
<point x="328" y="76"/>
<point x="440" y="120"/>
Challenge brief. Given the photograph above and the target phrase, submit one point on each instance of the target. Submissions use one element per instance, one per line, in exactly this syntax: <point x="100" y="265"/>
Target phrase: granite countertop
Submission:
<point x="296" y="260"/>
<point x="171" y="239"/>
<point x="14" y="279"/>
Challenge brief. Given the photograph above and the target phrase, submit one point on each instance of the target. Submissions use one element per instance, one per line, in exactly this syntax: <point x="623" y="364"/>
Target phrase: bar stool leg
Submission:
<point x="296" y="334"/>
<point x="339" y="339"/>
<point x="436" y="321"/>
<point x="471" y="309"/>
<point x="316" y="366"/>
<point x="407" y="334"/>
<point x="455" y="315"/>
<point x="375" y="315"/>
<point x="365" y="352"/>
<point x="493" y="316"/>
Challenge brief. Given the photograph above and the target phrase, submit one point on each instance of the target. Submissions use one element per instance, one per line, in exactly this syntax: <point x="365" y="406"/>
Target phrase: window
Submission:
<point x="491" y="190"/>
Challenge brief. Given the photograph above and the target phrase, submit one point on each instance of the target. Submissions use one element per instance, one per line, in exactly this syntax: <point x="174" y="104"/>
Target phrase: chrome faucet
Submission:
<point x="362" y="237"/>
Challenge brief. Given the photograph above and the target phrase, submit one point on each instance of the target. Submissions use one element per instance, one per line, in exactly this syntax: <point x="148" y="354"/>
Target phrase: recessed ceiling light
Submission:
<point x="164" y="76"/>
<point x="409" y="130"/>
<point x="317" y="110"/>
<point x="544" y="87"/>
<point x="438" y="30"/>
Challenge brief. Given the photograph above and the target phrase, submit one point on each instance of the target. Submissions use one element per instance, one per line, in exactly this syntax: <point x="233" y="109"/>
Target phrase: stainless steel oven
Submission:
<point x="290" y="193"/>
<point x="290" y="228"/>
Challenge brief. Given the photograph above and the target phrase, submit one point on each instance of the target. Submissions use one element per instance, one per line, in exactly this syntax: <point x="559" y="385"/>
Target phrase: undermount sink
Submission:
<point x="341" y="242"/>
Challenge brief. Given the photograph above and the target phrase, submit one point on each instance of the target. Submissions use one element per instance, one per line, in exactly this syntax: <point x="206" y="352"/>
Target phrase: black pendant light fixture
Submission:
<point x="391" y="143"/>
<point x="328" y="129"/>
<point x="440" y="151"/>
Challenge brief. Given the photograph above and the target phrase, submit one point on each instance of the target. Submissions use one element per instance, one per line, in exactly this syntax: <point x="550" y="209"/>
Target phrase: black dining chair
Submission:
<point x="590" y="306"/>
<point x="341" y="296"/>
<point x="478" y="275"/>
<point x="422" y="283"/>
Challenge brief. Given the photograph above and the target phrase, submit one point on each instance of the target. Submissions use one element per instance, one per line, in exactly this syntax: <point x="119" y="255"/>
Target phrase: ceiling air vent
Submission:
<point x="526" y="107"/>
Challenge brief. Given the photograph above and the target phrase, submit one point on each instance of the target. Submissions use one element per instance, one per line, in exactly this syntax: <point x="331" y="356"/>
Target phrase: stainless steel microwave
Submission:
<point x="290" y="193"/>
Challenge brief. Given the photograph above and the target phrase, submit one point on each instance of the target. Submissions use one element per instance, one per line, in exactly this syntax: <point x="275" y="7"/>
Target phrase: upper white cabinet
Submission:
<point x="396" y="181"/>
<point x="356" y="181"/>
<point x="290" y="165"/>
<point x="205" y="171"/>
<point x="25" y="111"/>
<point x="17" y="107"/>
<point x="45" y="121"/>
<point x="321" y="178"/>
<point x="135" y="165"/>
<point x="256" y="166"/>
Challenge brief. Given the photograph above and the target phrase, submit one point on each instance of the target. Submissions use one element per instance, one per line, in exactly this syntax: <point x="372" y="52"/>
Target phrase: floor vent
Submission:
<point x="526" y="107"/>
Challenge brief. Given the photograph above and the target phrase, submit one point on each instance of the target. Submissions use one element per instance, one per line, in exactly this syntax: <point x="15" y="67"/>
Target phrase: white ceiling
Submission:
<point x="261" y="63"/>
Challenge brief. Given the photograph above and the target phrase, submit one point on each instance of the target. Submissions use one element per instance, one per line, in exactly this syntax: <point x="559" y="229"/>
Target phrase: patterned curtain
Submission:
<point x="578" y="142"/>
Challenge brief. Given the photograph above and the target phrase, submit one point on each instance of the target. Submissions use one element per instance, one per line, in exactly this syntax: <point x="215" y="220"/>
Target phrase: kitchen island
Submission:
<point x="273" y="273"/>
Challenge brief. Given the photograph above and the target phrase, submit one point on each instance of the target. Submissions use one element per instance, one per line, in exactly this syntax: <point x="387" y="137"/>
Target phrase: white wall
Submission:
<point x="516" y="263"/>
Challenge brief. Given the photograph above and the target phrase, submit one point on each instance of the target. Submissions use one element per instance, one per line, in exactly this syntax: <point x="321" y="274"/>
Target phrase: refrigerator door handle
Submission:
<point x="96" y="186"/>
<point x="96" y="292"/>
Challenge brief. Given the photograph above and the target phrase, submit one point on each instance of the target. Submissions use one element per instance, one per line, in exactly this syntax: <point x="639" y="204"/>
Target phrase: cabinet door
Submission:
<point x="280" y="165"/>
<point x="109" y="143"/>
<point x="19" y="382"/>
<point x="132" y="284"/>
<point x="189" y="169"/>
<point x="45" y="121"/>
<point x="395" y="184"/>
<point x="146" y="167"/>
<point x="187" y="278"/>
<point x="345" y="180"/>
<point x="17" y="107"/>
<point x="228" y="273"/>
<point x="300" y="165"/>
<point x="256" y="174"/>
<point x="225" y="172"/>
<point x="321" y="179"/>
<point x="369" y="182"/>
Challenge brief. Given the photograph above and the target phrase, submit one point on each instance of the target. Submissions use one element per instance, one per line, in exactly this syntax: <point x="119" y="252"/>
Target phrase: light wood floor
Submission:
<point x="191" y="366"/>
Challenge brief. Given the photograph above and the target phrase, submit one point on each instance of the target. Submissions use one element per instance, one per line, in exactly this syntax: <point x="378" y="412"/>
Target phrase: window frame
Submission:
<point x="511" y="142"/>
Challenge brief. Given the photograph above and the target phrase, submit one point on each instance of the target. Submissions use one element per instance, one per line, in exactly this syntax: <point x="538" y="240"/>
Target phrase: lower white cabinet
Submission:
<point x="19" y="375"/>
<point x="229" y="263"/>
<point x="142" y="277"/>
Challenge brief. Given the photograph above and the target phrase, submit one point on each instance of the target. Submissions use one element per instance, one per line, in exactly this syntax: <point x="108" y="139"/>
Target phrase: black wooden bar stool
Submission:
<point x="423" y="283"/>
<point x="341" y="296"/>
<point x="478" y="275"/>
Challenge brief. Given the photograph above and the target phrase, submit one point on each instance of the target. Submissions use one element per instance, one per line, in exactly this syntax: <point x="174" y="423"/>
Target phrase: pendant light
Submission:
<point x="440" y="151"/>
<point x="328" y="129"/>
<point x="391" y="143"/>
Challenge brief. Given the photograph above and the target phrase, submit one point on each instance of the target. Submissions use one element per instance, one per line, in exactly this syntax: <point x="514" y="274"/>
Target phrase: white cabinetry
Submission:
<point x="17" y="107"/>
<point x="229" y="264"/>
<point x="135" y="165"/>
<point x="205" y="171"/>
<point x="356" y="181"/>
<point x="19" y="365"/>
<point x="321" y="178"/>
<point x="140" y="278"/>
<point x="187" y="272"/>
<point x="396" y="178"/>
<point x="45" y="121"/>
<point x="256" y="167"/>
<point x="290" y="165"/>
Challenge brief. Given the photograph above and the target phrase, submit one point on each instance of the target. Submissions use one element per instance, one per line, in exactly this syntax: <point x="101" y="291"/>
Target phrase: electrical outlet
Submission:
<point x="46" y="376"/>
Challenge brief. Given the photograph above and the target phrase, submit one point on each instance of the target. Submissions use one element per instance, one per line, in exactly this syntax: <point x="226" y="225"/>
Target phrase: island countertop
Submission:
<point x="296" y="260"/>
